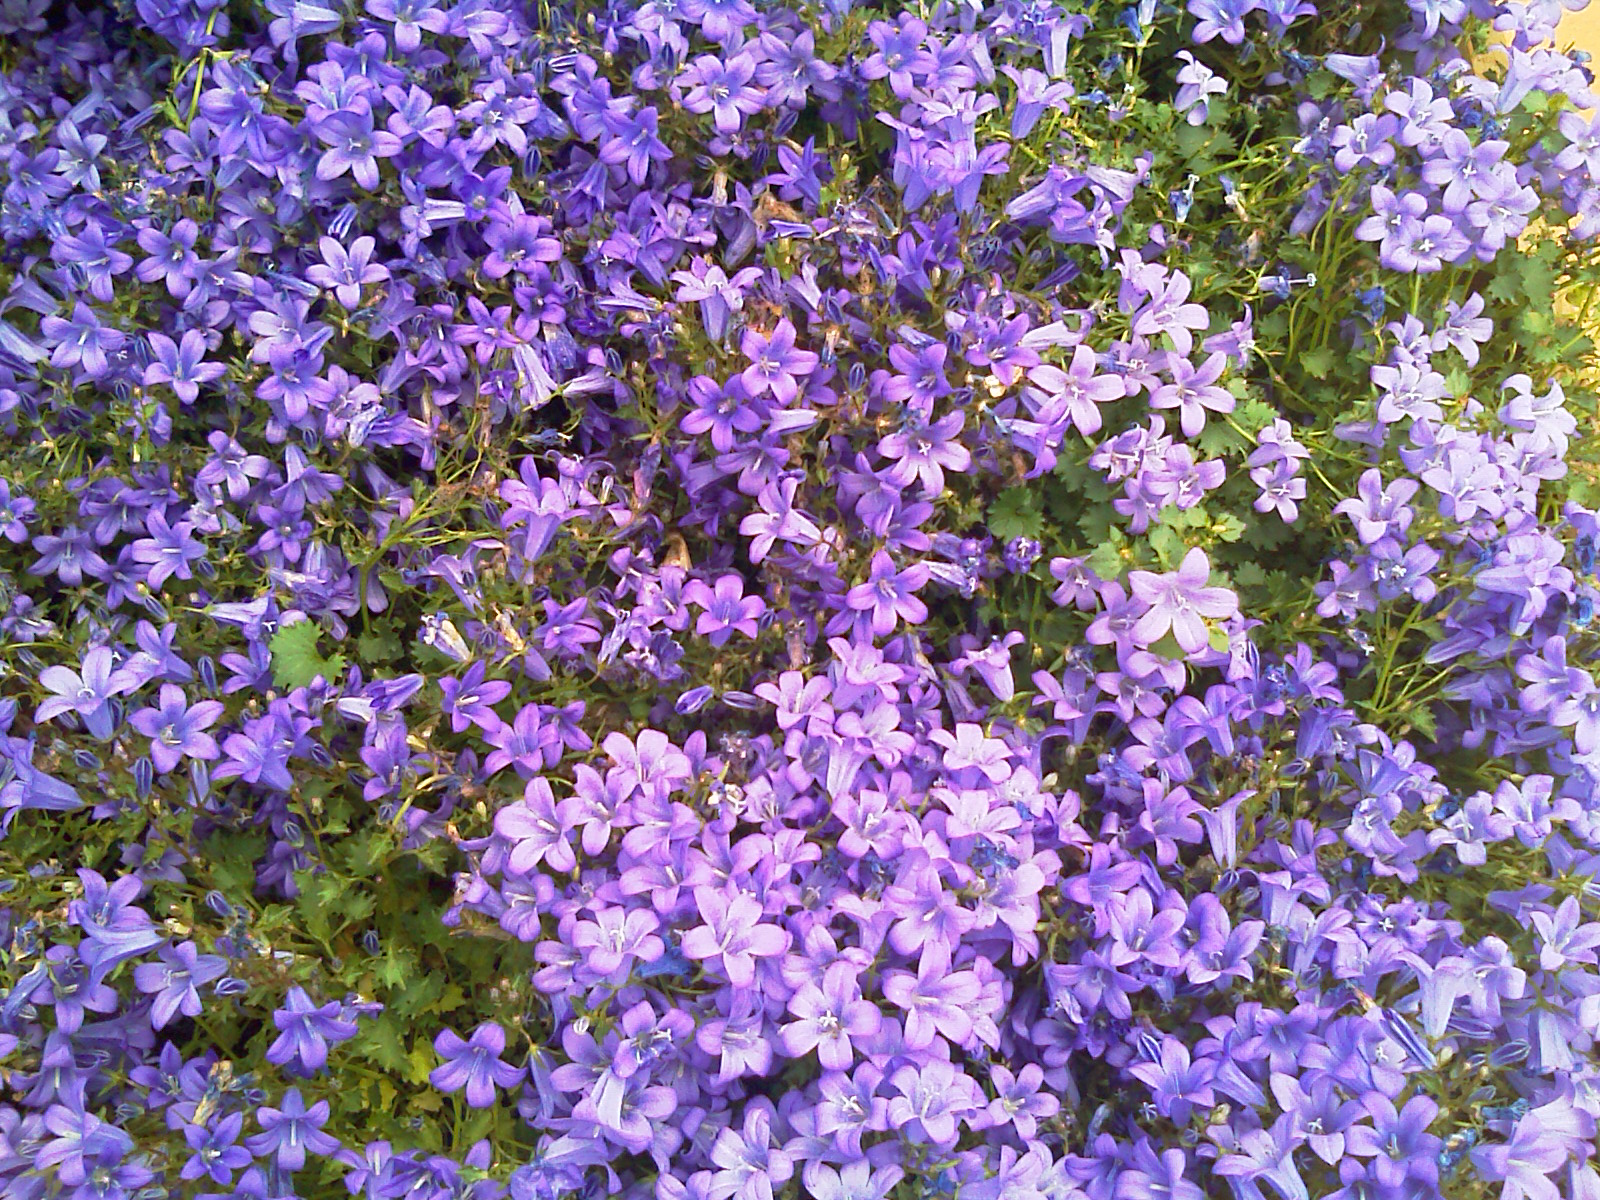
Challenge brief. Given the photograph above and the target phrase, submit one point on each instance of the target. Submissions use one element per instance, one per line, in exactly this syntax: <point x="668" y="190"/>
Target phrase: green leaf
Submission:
<point x="1321" y="84"/>
<point x="295" y="661"/>
<point x="1249" y="574"/>
<point x="1421" y="719"/>
<point x="1254" y="415"/>
<point x="328" y="904"/>
<point x="1317" y="363"/>
<point x="1229" y="528"/>
<point x="1168" y="648"/>
<point x="379" y="647"/>
<point x="1168" y="545"/>
<point x="1106" y="561"/>
<point x="1016" y="513"/>
<point x="1219" y="439"/>
<point x="382" y="1041"/>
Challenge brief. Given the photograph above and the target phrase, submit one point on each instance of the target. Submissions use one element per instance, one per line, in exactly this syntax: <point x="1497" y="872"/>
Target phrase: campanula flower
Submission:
<point x="177" y="728"/>
<point x="1180" y="602"/>
<point x="474" y="1065"/>
<point x="305" y="1030"/>
<point x="344" y="272"/>
<point x="88" y="694"/>
<point x="774" y="363"/>
<point x="181" y="365"/>
<point x="290" y="1132"/>
<point x="174" y="982"/>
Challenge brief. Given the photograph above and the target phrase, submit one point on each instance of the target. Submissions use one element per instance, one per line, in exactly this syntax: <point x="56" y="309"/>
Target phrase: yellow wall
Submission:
<point x="1582" y="29"/>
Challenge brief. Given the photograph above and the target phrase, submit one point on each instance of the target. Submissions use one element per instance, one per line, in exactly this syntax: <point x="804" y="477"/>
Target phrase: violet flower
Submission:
<point x="177" y="729"/>
<point x="474" y="1065"/>
<point x="290" y="1132"/>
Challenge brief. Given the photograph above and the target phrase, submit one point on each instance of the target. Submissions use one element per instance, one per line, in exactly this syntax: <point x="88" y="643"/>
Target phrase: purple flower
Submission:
<point x="778" y="520"/>
<point x="614" y="938"/>
<point x="538" y="829"/>
<point x="774" y="363"/>
<point x="469" y="700"/>
<point x="526" y="744"/>
<point x="353" y="146"/>
<point x="1320" y="1114"/>
<point x="930" y="1100"/>
<point x="172" y="258"/>
<point x="1398" y="1139"/>
<point x="81" y="1141"/>
<point x="924" y="452"/>
<point x="475" y="1065"/>
<point x="216" y="1155"/>
<point x="16" y="510"/>
<point x="177" y="729"/>
<point x="859" y="1180"/>
<point x="82" y="341"/>
<point x="1542" y="1142"/>
<point x="1169" y="311"/>
<point x="305" y="1031"/>
<point x="290" y="1132"/>
<point x="889" y="595"/>
<point x="86" y="694"/>
<point x="257" y="754"/>
<point x="410" y="18"/>
<point x="1036" y="92"/>
<point x="829" y="1015"/>
<point x="733" y="935"/>
<point x="727" y="609"/>
<point x="1076" y="393"/>
<point x="168" y="550"/>
<point x="920" y="378"/>
<point x="1197" y="83"/>
<point x="1224" y="17"/>
<point x="632" y="140"/>
<point x="1267" y="1154"/>
<point x="938" y="1002"/>
<point x="175" y="979"/>
<point x="722" y="410"/>
<point x="1021" y="1100"/>
<point x="1193" y="390"/>
<point x="1180" y="602"/>
<point x="93" y="253"/>
<point x="748" y="1164"/>
<point x="1179" y="1084"/>
<point x="898" y="52"/>
<point x="722" y="89"/>
<point x="720" y="20"/>
<point x="719" y="297"/>
<point x="1564" y="936"/>
<point x="68" y="985"/>
<point x="181" y="365"/>
<point x="344" y="272"/>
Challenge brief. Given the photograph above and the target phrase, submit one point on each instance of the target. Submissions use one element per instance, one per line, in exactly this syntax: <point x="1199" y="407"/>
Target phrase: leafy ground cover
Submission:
<point x="715" y="600"/>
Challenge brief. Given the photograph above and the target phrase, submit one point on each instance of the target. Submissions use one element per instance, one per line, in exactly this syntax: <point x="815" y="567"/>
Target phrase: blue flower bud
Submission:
<point x="1510" y="1053"/>
<point x="693" y="700"/>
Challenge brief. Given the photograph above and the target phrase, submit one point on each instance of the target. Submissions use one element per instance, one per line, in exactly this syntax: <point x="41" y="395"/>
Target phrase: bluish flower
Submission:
<point x="474" y="1065"/>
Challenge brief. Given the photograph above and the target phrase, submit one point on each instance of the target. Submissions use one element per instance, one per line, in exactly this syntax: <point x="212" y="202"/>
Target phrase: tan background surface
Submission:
<point x="1582" y="29"/>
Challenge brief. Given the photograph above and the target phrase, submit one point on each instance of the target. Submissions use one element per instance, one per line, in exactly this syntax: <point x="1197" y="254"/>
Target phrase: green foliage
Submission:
<point x="295" y="659"/>
<point x="1017" y="513"/>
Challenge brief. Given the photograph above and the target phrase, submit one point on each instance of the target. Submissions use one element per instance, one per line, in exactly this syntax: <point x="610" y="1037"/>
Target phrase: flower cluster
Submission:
<point x="716" y="601"/>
